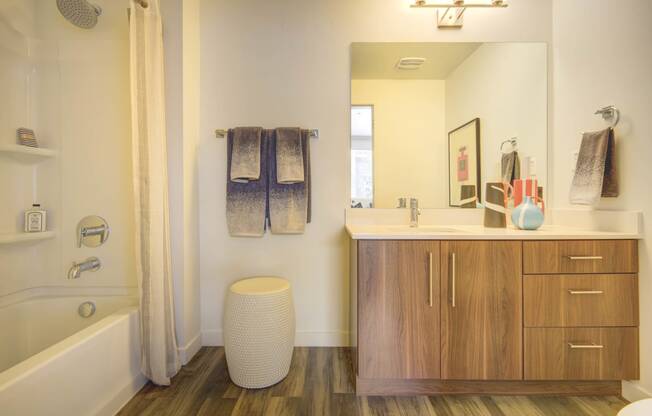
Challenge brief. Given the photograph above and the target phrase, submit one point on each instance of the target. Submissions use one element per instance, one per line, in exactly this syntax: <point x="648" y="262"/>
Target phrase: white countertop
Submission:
<point x="478" y="232"/>
<point x="441" y="224"/>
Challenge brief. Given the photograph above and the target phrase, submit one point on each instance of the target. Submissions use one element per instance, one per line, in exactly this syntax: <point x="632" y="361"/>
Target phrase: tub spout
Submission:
<point x="91" y="264"/>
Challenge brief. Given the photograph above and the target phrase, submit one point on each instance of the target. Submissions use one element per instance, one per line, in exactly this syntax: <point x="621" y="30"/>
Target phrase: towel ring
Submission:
<point x="610" y="113"/>
<point x="513" y="141"/>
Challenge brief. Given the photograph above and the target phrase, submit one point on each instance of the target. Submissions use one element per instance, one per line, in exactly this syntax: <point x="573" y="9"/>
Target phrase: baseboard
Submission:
<point x="125" y="394"/>
<point x="633" y="391"/>
<point x="419" y="387"/>
<point x="189" y="350"/>
<point x="214" y="337"/>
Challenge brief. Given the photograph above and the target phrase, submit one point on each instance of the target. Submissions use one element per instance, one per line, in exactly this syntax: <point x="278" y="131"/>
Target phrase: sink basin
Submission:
<point x="423" y="229"/>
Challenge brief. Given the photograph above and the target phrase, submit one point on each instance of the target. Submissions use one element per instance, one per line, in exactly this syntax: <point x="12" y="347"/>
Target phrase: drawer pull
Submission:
<point x="585" y="346"/>
<point x="585" y="292"/>
<point x="584" y="257"/>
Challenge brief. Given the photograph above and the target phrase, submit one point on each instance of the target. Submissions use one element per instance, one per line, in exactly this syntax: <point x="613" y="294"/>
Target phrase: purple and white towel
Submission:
<point x="246" y="197"/>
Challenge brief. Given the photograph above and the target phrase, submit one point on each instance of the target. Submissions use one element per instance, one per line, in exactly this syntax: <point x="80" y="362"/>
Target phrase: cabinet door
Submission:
<point x="481" y="298"/>
<point x="398" y="309"/>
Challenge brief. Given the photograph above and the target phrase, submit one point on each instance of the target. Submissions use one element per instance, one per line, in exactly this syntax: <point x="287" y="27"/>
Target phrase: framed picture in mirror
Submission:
<point x="464" y="165"/>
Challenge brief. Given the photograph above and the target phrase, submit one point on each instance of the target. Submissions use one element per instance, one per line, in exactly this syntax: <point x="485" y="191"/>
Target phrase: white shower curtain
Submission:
<point x="160" y="358"/>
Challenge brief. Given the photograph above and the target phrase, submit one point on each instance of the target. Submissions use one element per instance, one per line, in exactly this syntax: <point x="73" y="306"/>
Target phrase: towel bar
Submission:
<point x="221" y="133"/>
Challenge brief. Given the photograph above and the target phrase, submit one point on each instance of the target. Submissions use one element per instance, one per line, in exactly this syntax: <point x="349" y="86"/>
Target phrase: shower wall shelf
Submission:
<point x="26" y="237"/>
<point x="26" y="154"/>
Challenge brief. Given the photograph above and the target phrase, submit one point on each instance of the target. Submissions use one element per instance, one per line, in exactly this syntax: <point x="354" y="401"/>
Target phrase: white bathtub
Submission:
<point x="54" y="362"/>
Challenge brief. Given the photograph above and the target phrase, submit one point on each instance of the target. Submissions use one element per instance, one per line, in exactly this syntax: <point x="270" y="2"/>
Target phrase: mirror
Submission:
<point x="437" y="121"/>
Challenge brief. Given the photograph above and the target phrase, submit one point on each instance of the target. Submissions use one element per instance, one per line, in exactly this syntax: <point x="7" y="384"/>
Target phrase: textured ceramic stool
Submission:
<point x="259" y="331"/>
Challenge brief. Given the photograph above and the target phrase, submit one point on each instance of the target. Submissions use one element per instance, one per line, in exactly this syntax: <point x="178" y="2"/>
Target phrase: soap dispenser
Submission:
<point x="35" y="219"/>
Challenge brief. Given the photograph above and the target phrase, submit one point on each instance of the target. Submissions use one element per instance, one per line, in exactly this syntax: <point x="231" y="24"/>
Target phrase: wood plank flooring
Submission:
<point x="320" y="383"/>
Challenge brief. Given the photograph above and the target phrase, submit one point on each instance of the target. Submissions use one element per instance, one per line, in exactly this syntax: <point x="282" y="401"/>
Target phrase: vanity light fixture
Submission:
<point x="450" y="14"/>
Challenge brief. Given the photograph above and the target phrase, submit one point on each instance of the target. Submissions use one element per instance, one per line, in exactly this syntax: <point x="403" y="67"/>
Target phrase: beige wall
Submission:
<point x="505" y="85"/>
<point x="602" y="56"/>
<point x="286" y="62"/>
<point x="409" y="143"/>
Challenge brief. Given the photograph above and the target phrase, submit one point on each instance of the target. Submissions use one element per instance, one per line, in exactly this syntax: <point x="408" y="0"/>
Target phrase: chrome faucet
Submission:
<point x="90" y="264"/>
<point x="414" y="212"/>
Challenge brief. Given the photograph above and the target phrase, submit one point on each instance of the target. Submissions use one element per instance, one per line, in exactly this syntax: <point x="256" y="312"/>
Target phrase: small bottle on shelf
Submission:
<point x="35" y="219"/>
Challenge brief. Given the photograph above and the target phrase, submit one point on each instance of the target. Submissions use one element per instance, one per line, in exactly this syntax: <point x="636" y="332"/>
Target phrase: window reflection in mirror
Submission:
<point x="362" y="186"/>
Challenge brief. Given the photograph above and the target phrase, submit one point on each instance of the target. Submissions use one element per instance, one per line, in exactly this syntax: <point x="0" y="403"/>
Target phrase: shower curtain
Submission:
<point x="160" y="358"/>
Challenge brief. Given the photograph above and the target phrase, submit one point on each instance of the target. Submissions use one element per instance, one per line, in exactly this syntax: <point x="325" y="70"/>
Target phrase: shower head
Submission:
<point x="80" y="13"/>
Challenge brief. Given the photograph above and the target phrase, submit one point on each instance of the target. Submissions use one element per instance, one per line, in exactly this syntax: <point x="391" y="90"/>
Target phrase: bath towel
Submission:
<point x="246" y="202"/>
<point x="595" y="172"/>
<point x="289" y="155"/>
<point x="510" y="167"/>
<point x="245" y="154"/>
<point x="290" y="205"/>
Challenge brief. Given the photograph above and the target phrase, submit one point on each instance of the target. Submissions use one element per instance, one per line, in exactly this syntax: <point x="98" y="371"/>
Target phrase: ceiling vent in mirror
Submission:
<point x="410" y="63"/>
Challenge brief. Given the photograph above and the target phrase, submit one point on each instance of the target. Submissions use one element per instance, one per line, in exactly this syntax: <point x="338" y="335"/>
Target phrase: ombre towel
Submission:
<point x="595" y="172"/>
<point x="289" y="204"/>
<point x="510" y="167"/>
<point x="289" y="155"/>
<point x="246" y="202"/>
<point x="245" y="154"/>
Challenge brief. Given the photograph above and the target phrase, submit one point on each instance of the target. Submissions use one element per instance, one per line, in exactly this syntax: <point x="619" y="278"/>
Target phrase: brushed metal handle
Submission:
<point x="584" y="257"/>
<point x="453" y="278"/>
<point x="585" y="292"/>
<point x="430" y="278"/>
<point x="585" y="346"/>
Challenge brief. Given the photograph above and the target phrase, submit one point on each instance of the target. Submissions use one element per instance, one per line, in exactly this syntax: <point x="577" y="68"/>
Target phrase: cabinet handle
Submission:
<point x="584" y="257"/>
<point x="585" y="292"/>
<point x="453" y="278"/>
<point x="585" y="346"/>
<point x="430" y="278"/>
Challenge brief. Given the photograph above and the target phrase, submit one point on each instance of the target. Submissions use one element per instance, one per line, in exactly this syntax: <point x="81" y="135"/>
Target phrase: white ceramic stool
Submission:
<point x="639" y="408"/>
<point x="259" y="331"/>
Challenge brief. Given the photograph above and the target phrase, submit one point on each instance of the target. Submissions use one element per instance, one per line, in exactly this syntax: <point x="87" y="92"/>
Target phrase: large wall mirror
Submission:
<point x="437" y="121"/>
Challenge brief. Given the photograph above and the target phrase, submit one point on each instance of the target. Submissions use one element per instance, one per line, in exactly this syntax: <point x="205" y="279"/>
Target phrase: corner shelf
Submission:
<point x="17" y="238"/>
<point x="26" y="154"/>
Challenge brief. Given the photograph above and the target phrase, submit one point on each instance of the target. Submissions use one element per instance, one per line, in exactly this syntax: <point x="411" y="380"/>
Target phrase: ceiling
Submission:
<point x="378" y="60"/>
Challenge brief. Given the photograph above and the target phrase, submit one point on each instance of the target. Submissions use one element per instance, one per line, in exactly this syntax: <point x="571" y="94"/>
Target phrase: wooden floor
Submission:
<point x="319" y="383"/>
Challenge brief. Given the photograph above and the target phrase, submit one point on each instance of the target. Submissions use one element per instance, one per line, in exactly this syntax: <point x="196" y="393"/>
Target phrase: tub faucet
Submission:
<point x="414" y="212"/>
<point x="90" y="264"/>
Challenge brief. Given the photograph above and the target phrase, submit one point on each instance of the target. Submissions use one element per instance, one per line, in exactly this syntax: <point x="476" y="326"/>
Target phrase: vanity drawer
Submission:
<point x="580" y="256"/>
<point x="580" y="300"/>
<point x="581" y="354"/>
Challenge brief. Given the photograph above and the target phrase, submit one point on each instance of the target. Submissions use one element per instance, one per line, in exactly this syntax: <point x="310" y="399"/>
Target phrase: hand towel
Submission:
<point x="245" y="154"/>
<point x="289" y="204"/>
<point x="246" y="202"/>
<point x="289" y="155"/>
<point x="595" y="172"/>
<point x="510" y="167"/>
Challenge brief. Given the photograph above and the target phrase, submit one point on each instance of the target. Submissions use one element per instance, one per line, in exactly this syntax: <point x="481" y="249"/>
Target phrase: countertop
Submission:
<point x="479" y="232"/>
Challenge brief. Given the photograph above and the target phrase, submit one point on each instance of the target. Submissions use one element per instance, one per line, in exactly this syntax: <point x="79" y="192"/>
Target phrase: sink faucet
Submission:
<point x="414" y="212"/>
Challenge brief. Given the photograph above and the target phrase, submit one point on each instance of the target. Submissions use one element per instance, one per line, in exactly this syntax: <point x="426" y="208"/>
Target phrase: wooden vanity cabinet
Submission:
<point x="398" y="309"/>
<point x="481" y="324"/>
<point x="494" y="317"/>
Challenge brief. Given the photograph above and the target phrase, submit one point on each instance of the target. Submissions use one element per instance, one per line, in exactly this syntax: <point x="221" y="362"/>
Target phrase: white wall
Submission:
<point x="78" y="95"/>
<point x="180" y="35"/>
<point x="409" y="139"/>
<point x="602" y="56"/>
<point x="286" y="62"/>
<point x="505" y="85"/>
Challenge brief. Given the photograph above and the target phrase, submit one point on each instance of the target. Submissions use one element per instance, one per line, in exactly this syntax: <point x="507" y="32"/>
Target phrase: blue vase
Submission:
<point x="527" y="216"/>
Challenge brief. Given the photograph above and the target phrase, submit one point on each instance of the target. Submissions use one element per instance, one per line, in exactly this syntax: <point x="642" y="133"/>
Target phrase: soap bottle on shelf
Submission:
<point x="35" y="219"/>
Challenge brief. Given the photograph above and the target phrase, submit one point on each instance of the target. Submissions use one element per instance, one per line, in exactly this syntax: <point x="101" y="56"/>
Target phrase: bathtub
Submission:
<point x="55" y="362"/>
